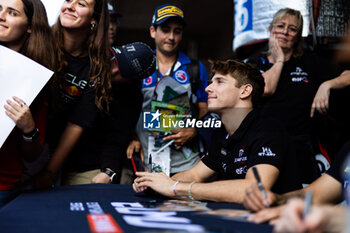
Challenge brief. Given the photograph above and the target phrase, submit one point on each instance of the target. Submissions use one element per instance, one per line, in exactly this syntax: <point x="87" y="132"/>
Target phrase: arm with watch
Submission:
<point x="106" y="176"/>
<point x="20" y="113"/>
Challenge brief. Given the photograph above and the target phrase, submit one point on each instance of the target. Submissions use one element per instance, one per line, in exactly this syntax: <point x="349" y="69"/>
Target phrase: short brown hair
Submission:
<point x="244" y="74"/>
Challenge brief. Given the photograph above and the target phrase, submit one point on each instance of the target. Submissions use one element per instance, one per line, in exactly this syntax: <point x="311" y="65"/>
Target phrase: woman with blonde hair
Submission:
<point x="298" y="84"/>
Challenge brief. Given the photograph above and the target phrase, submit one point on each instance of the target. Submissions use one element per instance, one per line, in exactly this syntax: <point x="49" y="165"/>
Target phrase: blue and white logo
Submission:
<point x="243" y="16"/>
<point x="151" y="120"/>
<point x="181" y="76"/>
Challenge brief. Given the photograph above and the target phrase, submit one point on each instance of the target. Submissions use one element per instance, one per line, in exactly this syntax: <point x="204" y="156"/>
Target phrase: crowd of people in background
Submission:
<point x="91" y="114"/>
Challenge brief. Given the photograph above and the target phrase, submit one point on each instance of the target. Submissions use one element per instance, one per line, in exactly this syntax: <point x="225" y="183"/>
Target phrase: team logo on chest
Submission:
<point x="299" y="76"/>
<point x="241" y="158"/>
<point x="223" y="151"/>
<point x="266" y="151"/>
<point x="147" y="81"/>
<point x="181" y="76"/>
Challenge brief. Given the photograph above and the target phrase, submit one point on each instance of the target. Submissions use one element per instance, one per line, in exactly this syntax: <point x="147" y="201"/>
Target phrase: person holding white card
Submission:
<point x="81" y="33"/>
<point x="20" y="31"/>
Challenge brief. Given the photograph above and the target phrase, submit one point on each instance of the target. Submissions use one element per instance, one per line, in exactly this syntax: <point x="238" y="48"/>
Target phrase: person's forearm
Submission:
<point x="272" y="77"/>
<point x="31" y="150"/>
<point x="185" y="176"/>
<point x="67" y="142"/>
<point x="341" y="81"/>
<point x="220" y="191"/>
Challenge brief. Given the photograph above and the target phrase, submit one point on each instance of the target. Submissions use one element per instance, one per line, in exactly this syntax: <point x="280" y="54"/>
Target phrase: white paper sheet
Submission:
<point x="21" y="77"/>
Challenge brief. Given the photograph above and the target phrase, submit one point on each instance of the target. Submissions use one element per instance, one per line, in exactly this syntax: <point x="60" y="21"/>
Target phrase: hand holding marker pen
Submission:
<point x="260" y="185"/>
<point x="308" y="202"/>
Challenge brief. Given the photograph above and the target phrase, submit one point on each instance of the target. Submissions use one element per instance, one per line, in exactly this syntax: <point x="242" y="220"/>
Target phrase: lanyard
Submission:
<point x="171" y="71"/>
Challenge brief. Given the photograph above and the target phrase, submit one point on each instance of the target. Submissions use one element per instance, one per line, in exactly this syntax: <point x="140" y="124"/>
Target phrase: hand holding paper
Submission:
<point x="22" y="77"/>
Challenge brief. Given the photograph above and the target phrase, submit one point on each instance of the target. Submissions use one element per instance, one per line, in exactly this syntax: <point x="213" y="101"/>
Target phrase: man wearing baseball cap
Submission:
<point x="114" y="21"/>
<point x="167" y="28"/>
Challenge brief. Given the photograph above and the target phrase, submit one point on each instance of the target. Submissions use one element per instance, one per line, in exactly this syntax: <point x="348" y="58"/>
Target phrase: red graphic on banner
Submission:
<point x="103" y="223"/>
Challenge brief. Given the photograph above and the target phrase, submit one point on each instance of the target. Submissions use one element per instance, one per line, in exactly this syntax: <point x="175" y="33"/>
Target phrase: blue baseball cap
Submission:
<point x="165" y="12"/>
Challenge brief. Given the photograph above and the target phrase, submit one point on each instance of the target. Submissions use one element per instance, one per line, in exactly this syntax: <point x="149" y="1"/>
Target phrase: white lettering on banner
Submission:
<point x="241" y="16"/>
<point x="140" y="221"/>
<point x="153" y="218"/>
<point x="76" y="206"/>
<point x="127" y="204"/>
<point x="94" y="208"/>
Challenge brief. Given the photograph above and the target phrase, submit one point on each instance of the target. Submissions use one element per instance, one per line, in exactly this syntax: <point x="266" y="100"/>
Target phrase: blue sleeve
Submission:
<point x="201" y="94"/>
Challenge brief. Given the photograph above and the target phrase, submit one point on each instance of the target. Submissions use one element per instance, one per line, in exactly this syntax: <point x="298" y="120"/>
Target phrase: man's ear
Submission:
<point x="152" y="32"/>
<point x="246" y="91"/>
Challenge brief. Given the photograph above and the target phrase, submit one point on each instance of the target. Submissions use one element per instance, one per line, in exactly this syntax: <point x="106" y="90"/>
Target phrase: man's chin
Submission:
<point x="214" y="110"/>
<point x="169" y="52"/>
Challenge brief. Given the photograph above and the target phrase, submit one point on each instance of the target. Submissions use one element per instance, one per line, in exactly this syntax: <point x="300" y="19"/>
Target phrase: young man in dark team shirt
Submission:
<point x="327" y="189"/>
<point x="235" y="90"/>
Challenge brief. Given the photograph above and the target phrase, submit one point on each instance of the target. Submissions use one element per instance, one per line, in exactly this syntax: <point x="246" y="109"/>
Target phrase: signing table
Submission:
<point x="109" y="208"/>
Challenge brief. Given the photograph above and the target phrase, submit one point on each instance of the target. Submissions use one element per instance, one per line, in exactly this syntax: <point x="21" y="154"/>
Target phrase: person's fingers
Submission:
<point x="271" y="198"/>
<point x="326" y="103"/>
<point x="19" y="101"/>
<point x="145" y="183"/>
<point x="171" y="137"/>
<point x="248" y="204"/>
<point x="142" y="155"/>
<point x="175" y="131"/>
<point x="257" y="201"/>
<point x="10" y="112"/>
<point x="273" y="222"/>
<point x="129" y="151"/>
<point x="313" y="108"/>
<point x="137" y="147"/>
<point x="14" y="105"/>
<point x="135" y="188"/>
<point x="253" y="199"/>
<point x="266" y="214"/>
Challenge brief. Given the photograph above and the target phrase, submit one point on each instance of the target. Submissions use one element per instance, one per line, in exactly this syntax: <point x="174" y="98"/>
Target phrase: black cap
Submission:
<point x="135" y="60"/>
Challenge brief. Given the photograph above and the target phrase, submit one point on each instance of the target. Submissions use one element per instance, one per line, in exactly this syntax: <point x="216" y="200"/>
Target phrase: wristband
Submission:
<point x="31" y="136"/>
<point x="110" y="173"/>
<point x="189" y="191"/>
<point x="174" y="187"/>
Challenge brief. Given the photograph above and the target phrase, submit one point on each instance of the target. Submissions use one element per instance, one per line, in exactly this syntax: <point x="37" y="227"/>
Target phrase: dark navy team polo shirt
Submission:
<point x="339" y="170"/>
<point x="296" y="89"/>
<point x="257" y="141"/>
